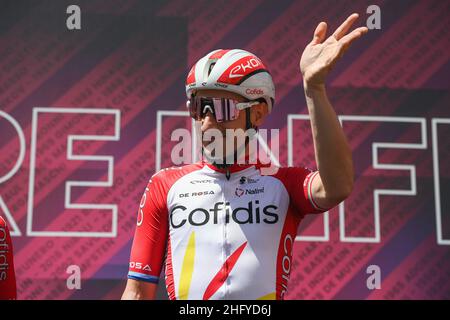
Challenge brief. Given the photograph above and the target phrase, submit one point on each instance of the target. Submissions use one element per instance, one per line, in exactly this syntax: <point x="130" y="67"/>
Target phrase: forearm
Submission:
<point x="332" y="151"/>
<point x="138" y="290"/>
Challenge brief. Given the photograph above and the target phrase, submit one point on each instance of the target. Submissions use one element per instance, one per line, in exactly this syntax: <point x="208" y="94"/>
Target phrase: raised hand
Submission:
<point x="321" y="54"/>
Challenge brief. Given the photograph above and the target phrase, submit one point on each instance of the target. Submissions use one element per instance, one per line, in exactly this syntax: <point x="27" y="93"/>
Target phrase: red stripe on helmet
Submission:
<point x="219" y="54"/>
<point x="191" y="75"/>
<point x="241" y="68"/>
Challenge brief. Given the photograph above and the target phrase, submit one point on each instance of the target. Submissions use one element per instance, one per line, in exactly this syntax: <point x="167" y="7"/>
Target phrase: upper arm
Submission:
<point x="319" y="195"/>
<point x="149" y="243"/>
<point x="301" y="184"/>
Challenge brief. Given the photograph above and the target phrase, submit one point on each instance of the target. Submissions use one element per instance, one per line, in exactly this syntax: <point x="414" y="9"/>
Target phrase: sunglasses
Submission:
<point x="223" y="109"/>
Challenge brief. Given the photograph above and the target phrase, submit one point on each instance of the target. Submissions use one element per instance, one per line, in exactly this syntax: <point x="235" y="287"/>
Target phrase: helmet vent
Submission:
<point x="211" y="66"/>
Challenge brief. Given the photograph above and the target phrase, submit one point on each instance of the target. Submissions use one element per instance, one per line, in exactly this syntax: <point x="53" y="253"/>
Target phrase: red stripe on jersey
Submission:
<point x="295" y="180"/>
<point x="284" y="256"/>
<point x="170" y="283"/>
<point x="223" y="273"/>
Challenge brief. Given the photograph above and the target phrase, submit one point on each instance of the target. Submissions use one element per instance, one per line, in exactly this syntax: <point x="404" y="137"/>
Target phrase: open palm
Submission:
<point x="321" y="54"/>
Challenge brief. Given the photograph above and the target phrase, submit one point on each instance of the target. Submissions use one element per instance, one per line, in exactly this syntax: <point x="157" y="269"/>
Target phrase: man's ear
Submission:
<point x="258" y="114"/>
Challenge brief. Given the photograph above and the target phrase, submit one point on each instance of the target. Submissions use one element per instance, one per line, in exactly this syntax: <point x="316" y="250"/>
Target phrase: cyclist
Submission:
<point x="224" y="229"/>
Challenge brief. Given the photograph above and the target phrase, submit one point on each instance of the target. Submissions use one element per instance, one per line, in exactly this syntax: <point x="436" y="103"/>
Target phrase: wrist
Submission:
<point x="313" y="88"/>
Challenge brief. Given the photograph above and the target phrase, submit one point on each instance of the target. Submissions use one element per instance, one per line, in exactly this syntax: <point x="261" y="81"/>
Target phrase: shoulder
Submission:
<point x="293" y="177"/>
<point x="160" y="183"/>
<point x="168" y="176"/>
<point x="289" y="173"/>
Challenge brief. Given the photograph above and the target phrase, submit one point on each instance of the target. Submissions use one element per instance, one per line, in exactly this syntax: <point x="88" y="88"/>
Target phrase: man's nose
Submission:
<point x="209" y="122"/>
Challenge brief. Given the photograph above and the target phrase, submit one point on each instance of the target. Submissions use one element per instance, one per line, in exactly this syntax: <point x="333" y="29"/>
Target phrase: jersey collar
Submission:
<point x="234" y="167"/>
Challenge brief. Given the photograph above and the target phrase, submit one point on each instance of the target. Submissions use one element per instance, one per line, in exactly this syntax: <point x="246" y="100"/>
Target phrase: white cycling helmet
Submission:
<point x="234" y="70"/>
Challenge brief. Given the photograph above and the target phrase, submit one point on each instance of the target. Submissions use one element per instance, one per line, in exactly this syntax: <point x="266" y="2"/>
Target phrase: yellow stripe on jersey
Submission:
<point x="187" y="269"/>
<point x="270" y="296"/>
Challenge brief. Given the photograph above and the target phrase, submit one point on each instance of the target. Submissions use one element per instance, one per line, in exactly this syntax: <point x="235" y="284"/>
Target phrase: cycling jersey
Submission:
<point x="223" y="236"/>
<point x="7" y="276"/>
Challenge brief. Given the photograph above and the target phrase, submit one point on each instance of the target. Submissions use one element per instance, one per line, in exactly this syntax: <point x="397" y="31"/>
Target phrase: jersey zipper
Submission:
<point x="223" y="221"/>
<point x="225" y="234"/>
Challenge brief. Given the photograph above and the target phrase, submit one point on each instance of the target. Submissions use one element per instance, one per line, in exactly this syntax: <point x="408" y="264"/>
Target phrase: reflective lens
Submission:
<point x="222" y="109"/>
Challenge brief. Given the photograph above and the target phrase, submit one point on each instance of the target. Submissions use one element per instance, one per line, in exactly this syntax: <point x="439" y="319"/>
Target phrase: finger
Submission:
<point x="319" y="33"/>
<point x="352" y="36"/>
<point x="345" y="26"/>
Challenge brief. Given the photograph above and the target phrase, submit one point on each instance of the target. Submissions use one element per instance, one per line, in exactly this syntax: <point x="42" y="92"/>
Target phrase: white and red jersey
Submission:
<point x="221" y="236"/>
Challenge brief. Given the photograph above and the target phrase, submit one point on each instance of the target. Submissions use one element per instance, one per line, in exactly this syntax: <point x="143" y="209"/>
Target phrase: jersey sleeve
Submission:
<point x="149" y="243"/>
<point x="8" y="289"/>
<point x="298" y="182"/>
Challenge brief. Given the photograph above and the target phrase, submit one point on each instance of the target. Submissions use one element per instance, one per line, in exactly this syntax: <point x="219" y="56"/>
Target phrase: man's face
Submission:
<point x="210" y="127"/>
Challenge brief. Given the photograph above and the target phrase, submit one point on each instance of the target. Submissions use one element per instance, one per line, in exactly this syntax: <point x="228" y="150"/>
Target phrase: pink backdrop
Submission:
<point x="128" y="62"/>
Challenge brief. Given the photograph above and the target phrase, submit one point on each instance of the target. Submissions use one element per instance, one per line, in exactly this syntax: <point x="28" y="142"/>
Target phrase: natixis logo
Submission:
<point x="239" y="192"/>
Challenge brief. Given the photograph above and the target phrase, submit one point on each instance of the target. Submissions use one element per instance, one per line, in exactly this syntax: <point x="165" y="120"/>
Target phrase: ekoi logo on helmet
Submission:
<point x="241" y="68"/>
